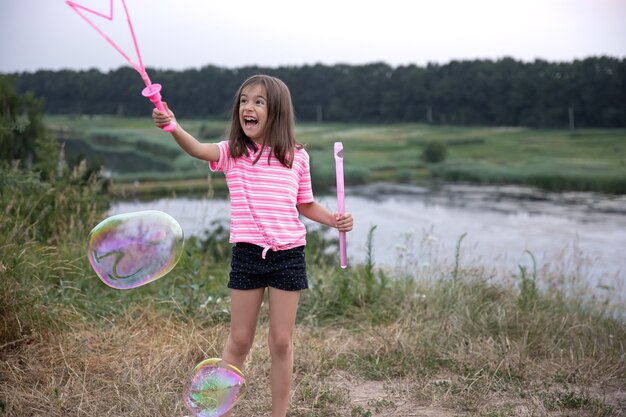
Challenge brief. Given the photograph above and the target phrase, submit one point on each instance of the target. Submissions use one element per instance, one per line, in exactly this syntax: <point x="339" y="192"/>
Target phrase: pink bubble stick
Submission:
<point x="343" y="254"/>
<point x="152" y="91"/>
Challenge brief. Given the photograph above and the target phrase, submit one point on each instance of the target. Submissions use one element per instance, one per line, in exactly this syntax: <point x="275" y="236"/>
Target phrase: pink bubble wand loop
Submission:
<point x="152" y="91"/>
<point x="343" y="254"/>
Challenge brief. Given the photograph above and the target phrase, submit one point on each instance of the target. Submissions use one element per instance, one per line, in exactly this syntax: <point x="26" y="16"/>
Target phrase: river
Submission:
<point x="575" y="237"/>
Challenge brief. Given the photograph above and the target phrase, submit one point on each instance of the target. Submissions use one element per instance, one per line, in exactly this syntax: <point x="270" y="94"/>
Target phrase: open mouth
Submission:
<point x="250" y="121"/>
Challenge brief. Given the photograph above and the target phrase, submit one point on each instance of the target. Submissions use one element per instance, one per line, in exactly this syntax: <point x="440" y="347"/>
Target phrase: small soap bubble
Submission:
<point x="133" y="249"/>
<point x="213" y="388"/>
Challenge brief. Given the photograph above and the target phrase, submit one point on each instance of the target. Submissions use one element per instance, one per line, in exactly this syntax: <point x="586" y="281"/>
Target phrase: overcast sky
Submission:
<point x="47" y="34"/>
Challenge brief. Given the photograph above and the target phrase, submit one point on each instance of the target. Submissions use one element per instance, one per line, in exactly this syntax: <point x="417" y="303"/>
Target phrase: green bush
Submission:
<point x="435" y="151"/>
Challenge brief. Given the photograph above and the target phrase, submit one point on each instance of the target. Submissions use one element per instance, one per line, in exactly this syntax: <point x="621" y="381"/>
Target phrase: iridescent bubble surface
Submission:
<point x="213" y="388"/>
<point x="132" y="249"/>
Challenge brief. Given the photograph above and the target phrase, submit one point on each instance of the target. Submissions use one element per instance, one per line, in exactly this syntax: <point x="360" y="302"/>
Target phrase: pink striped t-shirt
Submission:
<point x="263" y="198"/>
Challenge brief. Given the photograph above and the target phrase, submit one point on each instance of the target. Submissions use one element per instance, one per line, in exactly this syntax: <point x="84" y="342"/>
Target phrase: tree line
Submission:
<point x="505" y="92"/>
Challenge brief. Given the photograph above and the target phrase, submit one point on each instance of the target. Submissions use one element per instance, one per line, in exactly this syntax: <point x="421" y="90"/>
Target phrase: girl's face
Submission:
<point x="253" y="111"/>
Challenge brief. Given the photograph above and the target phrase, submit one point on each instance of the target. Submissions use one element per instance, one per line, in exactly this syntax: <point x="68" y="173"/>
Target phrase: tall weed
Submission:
<point x="40" y="221"/>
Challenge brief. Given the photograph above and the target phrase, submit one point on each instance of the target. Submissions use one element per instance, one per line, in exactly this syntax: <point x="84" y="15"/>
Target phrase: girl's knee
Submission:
<point x="240" y="344"/>
<point x="280" y="345"/>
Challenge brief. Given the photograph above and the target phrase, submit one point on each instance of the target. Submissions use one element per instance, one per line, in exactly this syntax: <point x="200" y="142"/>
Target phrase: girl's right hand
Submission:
<point x="162" y="118"/>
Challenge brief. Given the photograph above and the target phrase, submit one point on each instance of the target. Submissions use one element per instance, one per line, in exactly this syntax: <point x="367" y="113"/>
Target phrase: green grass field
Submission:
<point x="132" y="149"/>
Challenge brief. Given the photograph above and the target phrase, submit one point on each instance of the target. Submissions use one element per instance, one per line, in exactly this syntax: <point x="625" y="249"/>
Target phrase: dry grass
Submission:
<point x="137" y="365"/>
<point x="132" y="367"/>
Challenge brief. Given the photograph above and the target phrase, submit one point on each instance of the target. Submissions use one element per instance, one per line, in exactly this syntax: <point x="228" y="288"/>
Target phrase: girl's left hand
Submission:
<point x="344" y="222"/>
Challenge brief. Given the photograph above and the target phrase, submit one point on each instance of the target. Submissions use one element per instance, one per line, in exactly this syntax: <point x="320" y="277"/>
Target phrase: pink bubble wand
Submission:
<point x="151" y="91"/>
<point x="343" y="254"/>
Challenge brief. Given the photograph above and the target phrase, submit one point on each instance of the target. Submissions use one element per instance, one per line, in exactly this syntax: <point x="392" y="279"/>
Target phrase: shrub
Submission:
<point x="435" y="151"/>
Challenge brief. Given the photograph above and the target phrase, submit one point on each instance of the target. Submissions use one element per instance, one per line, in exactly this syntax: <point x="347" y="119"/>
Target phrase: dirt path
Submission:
<point x="396" y="399"/>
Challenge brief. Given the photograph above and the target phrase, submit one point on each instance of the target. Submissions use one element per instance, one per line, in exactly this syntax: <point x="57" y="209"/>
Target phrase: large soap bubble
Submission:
<point x="213" y="388"/>
<point x="132" y="249"/>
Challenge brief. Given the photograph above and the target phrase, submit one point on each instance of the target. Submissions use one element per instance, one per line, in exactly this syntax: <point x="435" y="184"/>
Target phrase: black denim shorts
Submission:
<point x="284" y="269"/>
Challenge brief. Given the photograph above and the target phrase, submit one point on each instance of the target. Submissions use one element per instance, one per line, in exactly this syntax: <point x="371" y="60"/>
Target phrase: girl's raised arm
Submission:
<point x="191" y="145"/>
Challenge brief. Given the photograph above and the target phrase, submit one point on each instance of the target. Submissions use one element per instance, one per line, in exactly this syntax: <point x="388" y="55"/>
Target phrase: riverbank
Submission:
<point x="367" y="343"/>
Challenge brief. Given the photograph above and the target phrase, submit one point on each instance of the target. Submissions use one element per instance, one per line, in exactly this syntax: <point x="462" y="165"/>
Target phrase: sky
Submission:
<point x="184" y="34"/>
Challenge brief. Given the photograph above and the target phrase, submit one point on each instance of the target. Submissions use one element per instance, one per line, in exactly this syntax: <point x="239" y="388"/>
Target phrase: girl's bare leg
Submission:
<point x="244" y="313"/>
<point x="283" y="307"/>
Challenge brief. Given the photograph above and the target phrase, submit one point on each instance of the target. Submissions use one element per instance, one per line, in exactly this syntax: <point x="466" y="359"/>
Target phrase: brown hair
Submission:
<point x="280" y="128"/>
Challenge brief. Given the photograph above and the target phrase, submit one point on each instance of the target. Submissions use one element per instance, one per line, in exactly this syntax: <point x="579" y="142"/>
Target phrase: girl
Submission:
<point x="269" y="183"/>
